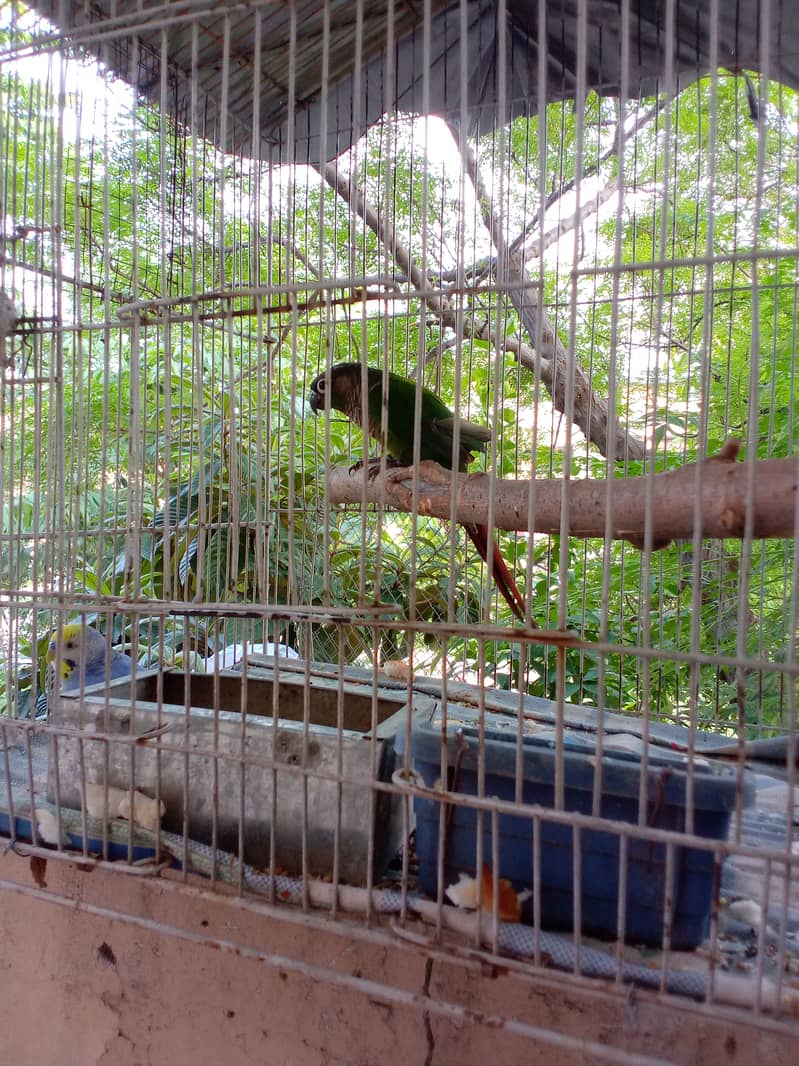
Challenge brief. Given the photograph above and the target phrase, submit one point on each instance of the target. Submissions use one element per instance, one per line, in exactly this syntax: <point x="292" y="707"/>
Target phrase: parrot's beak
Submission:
<point x="317" y="402"/>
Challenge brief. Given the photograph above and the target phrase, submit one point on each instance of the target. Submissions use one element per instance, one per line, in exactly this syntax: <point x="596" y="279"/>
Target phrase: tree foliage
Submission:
<point x="159" y="447"/>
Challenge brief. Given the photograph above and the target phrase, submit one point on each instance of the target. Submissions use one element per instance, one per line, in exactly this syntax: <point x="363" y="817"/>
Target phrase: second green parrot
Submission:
<point x="340" y="389"/>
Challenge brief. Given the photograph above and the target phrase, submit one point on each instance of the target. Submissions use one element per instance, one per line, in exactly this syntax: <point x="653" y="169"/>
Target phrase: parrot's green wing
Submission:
<point x="469" y="430"/>
<point x="437" y="437"/>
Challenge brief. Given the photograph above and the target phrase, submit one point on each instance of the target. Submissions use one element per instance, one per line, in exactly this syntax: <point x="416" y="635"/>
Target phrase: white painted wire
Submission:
<point x="250" y="228"/>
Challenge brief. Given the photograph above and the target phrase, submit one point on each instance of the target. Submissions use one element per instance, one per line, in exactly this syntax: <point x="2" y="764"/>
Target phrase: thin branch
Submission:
<point x="417" y="276"/>
<point x="488" y="264"/>
<point x="565" y="225"/>
<point x="524" y="242"/>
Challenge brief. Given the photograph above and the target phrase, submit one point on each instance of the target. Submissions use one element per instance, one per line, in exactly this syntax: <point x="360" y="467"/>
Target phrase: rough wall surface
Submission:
<point x="83" y="988"/>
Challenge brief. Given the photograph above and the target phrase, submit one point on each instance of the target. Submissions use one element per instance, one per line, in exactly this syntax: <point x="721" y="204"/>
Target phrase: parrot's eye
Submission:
<point x="320" y="385"/>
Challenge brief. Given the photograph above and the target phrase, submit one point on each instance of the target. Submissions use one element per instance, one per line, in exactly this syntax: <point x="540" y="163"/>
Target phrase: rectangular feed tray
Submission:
<point x="247" y="767"/>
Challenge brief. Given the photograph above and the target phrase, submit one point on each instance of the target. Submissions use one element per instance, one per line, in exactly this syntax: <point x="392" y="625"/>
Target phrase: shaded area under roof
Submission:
<point x="336" y="67"/>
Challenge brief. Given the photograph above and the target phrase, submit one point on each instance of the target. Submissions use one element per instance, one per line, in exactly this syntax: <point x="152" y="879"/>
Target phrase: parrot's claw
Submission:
<point x="373" y="465"/>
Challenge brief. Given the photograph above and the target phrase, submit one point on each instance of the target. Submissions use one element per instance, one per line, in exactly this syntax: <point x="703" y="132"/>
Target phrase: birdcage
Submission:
<point x="399" y="458"/>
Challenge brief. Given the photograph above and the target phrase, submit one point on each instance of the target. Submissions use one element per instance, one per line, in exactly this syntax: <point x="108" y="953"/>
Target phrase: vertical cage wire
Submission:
<point x="598" y="266"/>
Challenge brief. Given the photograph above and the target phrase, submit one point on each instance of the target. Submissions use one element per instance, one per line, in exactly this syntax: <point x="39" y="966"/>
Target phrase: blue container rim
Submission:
<point x="715" y="787"/>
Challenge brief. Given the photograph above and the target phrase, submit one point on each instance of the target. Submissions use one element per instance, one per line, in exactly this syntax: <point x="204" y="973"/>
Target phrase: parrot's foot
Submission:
<point x="435" y="473"/>
<point x="373" y="465"/>
<point x="428" y="473"/>
<point x="403" y="496"/>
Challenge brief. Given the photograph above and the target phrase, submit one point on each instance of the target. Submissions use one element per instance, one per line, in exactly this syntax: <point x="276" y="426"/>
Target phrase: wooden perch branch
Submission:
<point x="723" y="488"/>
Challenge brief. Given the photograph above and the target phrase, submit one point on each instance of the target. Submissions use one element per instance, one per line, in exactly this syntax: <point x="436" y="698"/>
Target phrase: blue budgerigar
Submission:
<point x="84" y="657"/>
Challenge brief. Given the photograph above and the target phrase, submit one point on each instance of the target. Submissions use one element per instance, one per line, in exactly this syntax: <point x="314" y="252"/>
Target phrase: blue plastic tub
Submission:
<point x="692" y="889"/>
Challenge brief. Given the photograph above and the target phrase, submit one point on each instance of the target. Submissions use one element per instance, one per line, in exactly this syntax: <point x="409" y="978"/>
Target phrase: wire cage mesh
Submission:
<point x="589" y="250"/>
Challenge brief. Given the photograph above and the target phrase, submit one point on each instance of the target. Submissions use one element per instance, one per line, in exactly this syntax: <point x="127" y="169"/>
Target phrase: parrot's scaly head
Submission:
<point x="340" y="389"/>
<point x="81" y="647"/>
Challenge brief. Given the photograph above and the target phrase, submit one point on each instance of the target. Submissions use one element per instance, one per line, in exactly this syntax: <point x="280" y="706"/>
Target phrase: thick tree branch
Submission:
<point x="549" y="359"/>
<point x="722" y="485"/>
<point x="348" y="190"/>
<point x="590" y="410"/>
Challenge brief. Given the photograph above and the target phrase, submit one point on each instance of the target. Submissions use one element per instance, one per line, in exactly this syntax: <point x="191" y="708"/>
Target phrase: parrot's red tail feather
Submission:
<point x="502" y="576"/>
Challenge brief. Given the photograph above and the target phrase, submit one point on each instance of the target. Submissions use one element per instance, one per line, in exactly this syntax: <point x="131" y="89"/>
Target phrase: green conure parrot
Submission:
<point x="340" y="389"/>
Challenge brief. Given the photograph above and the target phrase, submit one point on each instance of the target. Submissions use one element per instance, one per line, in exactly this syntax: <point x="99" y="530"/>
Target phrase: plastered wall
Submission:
<point x="192" y="978"/>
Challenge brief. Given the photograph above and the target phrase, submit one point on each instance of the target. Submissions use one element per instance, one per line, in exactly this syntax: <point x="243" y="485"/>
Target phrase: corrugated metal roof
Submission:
<point x="237" y="64"/>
